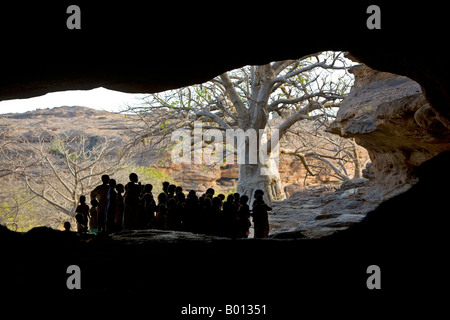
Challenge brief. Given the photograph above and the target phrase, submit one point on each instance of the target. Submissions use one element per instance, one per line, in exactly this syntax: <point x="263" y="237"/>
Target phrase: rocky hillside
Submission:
<point x="73" y="121"/>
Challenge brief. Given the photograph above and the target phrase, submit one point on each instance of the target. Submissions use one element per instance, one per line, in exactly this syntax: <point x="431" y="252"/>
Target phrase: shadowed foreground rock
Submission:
<point x="405" y="236"/>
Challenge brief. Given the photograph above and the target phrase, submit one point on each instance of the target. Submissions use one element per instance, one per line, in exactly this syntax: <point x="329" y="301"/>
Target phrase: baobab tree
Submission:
<point x="301" y="89"/>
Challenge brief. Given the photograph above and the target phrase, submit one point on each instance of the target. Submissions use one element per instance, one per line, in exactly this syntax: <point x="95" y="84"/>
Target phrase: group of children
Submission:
<point x="115" y="207"/>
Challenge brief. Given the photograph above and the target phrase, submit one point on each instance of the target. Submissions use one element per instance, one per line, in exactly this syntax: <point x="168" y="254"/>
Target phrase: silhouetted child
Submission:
<point x="68" y="235"/>
<point x="207" y="220"/>
<point x="191" y="212"/>
<point x="243" y="223"/>
<point x="180" y="198"/>
<point x="217" y="218"/>
<point x="260" y="217"/>
<point x="83" y="208"/>
<point x="67" y="226"/>
<point x="171" y="191"/>
<point x="257" y="191"/>
<point x="210" y="191"/>
<point x="178" y="189"/>
<point x="237" y="203"/>
<point x="93" y="221"/>
<point x="161" y="212"/>
<point x="192" y="194"/>
<point x="81" y="215"/>
<point x="171" y="214"/>
<point x="229" y="217"/>
<point x="149" y="206"/>
<point x="221" y="196"/>
<point x="165" y="187"/>
<point x="81" y="223"/>
<point x="131" y="200"/>
<point x="120" y="207"/>
<point x="111" y="204"/>
<point x="100" y="193"/>
<point x="216" y="205"/>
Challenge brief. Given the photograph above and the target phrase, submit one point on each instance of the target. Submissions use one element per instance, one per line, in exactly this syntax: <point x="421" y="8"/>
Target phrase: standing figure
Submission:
<point x="161" y="212"/>
<point x="100" y="193"/>
<point x="165" y="187"/>
<point x="131" y="200"/>
<point x="120" y="206"/>
<point x="81" y="223"/>
<point x="83" y="208"/>
<point x="243" y="223"/>
<point x="237" y="202"/>
<point x="229" y="219"/>
<point x="93" y="222"/>
<point x="171" y="191"/>
<point x="81" y="215"/>
<point x="111" y="204"/>
<point x="171" y="221"/>
<point x="191" y="209"/>
<point x="149" y="206"/>
<point x="260" y="217"/>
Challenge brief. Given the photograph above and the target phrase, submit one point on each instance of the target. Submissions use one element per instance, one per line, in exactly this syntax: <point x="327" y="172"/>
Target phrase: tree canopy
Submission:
<point x="308" y="88"/>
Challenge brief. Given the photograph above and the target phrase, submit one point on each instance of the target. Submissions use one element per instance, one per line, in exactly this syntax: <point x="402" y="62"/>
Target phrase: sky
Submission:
<point x="99" y="98"/>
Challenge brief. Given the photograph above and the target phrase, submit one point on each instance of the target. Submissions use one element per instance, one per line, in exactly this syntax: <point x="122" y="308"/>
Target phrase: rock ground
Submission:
<point x="324" y="209"/>
<point x="312" y="213"/>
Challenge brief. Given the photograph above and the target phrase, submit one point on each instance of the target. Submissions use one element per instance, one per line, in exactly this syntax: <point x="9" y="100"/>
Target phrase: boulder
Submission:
<point x="389" y="115"/>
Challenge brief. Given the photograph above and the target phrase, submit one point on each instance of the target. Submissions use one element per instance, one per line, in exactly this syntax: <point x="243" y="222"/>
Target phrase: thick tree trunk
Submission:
<point x="264" y="175"/>
<point x="261" y="176"/>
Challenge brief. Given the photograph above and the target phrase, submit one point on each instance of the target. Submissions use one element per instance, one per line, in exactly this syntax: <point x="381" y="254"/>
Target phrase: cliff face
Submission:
<point x="390" y="117"/>
<point x="225" y="177"/>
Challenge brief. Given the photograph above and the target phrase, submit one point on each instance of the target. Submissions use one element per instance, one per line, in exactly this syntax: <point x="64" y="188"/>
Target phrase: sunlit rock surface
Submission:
<point x="389" y="116"/>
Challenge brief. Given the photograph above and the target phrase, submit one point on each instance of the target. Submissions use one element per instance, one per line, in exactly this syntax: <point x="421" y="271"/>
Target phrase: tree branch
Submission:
<point x="244" y="117"/>
<point x="299" y="155"/>
<point x="60" y="208"/>
<point x="332" y="166"/>
<point x="213" y="117"/>
<point x="321" y="94"/>
<point x="299" y="115"/>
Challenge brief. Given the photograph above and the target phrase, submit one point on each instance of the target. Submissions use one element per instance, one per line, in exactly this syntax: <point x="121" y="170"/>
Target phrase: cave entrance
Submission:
<point x="318" y="185"/>
<point x="298" y="98"/>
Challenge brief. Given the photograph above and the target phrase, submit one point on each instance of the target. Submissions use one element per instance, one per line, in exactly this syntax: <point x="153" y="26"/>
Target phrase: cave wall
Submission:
<point x="140" y="48"/>
<point x="135" y="48"/>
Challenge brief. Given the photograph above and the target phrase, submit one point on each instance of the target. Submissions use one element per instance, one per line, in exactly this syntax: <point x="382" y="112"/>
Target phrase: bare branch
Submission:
<point x="42" y="195"/>
<point x="300" y="156"/>
<point x="213" y="117"/>
<point x="244" y="117"/>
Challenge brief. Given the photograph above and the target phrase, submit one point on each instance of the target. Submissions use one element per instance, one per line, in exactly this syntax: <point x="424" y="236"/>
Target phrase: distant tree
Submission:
<point x="294" y="90"/>
<point x="10" y="162"/>
<point x="324" y="153"/>
<point x="66" y="167"/>
<point x="20" y="209"/>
